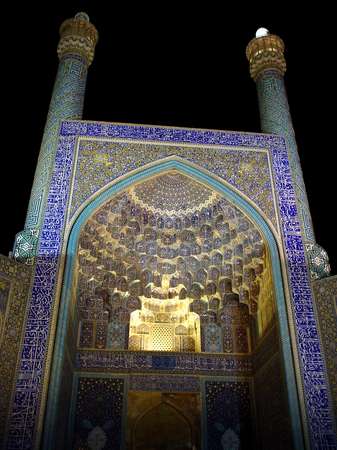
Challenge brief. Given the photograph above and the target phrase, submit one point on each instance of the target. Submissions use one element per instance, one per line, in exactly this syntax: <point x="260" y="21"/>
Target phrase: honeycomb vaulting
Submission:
<point x="170" y="265"/>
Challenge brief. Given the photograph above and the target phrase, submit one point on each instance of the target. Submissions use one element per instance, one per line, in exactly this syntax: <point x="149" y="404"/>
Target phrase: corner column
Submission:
<point x="78" y="38"/>
<point x="265" y="54"/>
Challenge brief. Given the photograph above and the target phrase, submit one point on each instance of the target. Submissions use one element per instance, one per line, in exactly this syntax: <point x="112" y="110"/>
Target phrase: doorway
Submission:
<point x="163" y="421"/>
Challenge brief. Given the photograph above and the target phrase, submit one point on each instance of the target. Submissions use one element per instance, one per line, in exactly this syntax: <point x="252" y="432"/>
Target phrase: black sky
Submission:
<point x="164" y="64"/>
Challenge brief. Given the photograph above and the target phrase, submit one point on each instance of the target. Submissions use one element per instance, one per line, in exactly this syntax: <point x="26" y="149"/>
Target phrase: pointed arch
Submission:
<point x="162" y="404"/>
<point x="232" y="195"/>
<point x="184" y="166"/>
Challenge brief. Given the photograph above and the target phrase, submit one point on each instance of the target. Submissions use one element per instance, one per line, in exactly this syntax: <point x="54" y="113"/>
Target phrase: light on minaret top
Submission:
<point x="261" y="32"/>
<point x="265" y="52"/>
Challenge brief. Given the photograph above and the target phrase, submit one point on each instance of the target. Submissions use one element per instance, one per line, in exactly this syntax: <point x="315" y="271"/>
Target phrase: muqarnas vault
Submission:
<point x="167" y="291"/>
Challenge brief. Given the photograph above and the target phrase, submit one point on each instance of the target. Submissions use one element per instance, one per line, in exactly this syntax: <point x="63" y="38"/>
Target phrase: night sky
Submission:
<point x="169" y="66"/>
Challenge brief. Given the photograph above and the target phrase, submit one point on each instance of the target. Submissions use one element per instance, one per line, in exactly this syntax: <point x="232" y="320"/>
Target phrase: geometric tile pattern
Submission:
<point x="66" y="103"/>
<point x="228" y="415"/>
<point x="99" y="412"/>
<point x="31" y="370"/>
<point x="318" y="261"/>
<point x="275" y="118"/>
<point x="25" y="245"/>
<point x="326" y="303"/>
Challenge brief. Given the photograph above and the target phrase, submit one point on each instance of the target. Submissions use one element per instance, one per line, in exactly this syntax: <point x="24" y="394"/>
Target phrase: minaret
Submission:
<point x="78" y="38"/>
<point x="265" y="54"/>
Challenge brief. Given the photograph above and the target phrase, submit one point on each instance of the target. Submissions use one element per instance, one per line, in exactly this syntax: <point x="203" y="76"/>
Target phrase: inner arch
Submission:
<point x="163" y="426"/>
<point x="171" y="265"/>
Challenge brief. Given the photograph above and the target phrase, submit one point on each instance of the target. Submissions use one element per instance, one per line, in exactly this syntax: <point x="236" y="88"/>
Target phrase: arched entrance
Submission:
<point x="220" y="293"/>
<point x="159" y="421"/>
<point x="162" y="428"/>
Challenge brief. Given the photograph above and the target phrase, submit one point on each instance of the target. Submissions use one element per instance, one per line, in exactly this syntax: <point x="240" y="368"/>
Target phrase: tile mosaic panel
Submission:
<point x="275" y="118"/>
<point x="15" y="279"/>
<point x="228" y="415"/>
<point x="66" y="103"/>
<point x="326" y="303"/>
<point x="98" y="414"/>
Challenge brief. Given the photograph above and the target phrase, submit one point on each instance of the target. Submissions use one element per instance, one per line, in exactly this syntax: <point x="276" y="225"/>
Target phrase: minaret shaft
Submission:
<point x="66" y="103"/>
<point x="276" y="119"/>
<point x="267" y="64"/>
<point x="76" y="52"/>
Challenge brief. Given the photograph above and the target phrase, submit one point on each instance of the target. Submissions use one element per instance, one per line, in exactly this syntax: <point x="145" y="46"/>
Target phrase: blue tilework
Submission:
<point x="31" y="370"/>
<point x="276" y="118"/>
<point x="228" y="415"/>
<point x="99" y="162"/>
<point x="66" y="103"/>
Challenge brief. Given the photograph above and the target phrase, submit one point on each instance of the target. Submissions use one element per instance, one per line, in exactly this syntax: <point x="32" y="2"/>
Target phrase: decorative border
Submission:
<point x="18" y="278"/>
<point x="164" y="383"/>
<point x="325" y="291"/>
<point x="196" y="363"/>
<point x="26" y="407"/>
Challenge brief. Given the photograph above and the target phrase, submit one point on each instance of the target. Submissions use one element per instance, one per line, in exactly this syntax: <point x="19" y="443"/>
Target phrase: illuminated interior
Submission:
<point x="170" y="265"/>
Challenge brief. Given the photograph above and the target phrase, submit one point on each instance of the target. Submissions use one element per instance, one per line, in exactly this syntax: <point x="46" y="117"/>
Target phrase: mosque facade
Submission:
<point x="167" y="290"/>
